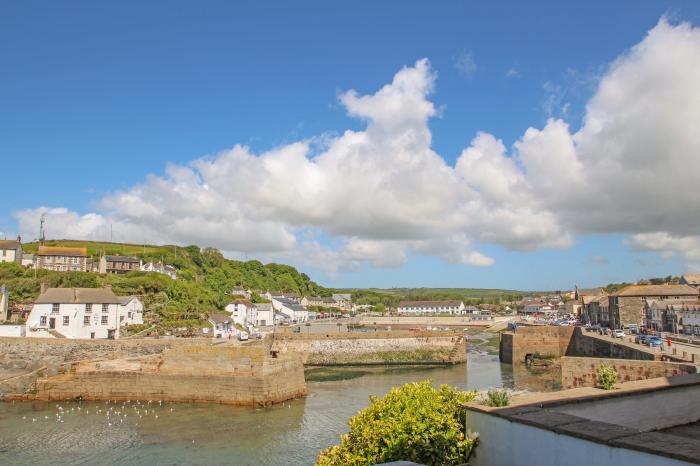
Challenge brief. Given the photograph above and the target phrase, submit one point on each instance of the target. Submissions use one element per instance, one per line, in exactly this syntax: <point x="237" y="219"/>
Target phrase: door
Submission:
<point x="52" y="322"/>
<point x="110" y="334"/>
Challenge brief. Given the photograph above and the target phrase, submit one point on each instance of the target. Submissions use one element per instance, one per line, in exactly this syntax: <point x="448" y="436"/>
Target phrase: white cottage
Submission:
<point x="75" y="313"/>
<point x="130" y="310"/>
<point x="242" y="311"/>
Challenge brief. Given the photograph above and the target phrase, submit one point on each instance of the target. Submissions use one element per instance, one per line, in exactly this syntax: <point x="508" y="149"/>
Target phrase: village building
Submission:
<point x="11" y="250"/>
<point x="597" y="311"/>
<point x="28" y="260"/>
<point x="159" y="267"/>
<point x="692" y="279"/>
<point x="291" y="309"/>
<point x="343" y="301"/>
<point x="242" y="311"/>
<point x="74" y="313"/>
<point x="240" y="291"/>
<point x="627" y="306"/>
<point x="223" y="326"/>
<point x="454" y="307"/>
<point x="674" y="316"/>
<point x="62" y="259"/>
<point x="312" y="301"/>
<point x="118" y="264"/>
<point x="265" y="314"/>
<point x="130" y="310"/>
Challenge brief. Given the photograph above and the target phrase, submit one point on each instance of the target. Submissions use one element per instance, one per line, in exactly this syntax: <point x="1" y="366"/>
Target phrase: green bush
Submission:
<point x="415" y="422"/>
<point x="497" y="398"/>
<point x="606" y="376"/>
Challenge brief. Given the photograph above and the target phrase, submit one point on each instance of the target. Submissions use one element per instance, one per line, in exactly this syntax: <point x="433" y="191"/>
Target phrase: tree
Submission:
<point x="415" y="422"/>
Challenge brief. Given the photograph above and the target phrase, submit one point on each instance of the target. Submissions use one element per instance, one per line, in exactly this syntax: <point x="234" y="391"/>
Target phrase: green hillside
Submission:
<point x="205" y="279"/>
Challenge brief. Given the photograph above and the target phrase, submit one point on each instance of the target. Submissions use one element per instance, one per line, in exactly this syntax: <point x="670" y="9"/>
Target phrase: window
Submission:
<point x="88" y="308"/>
<point x="104" y="320"/>
<point x="66" y="321"/>
<point x="42" y="321"/>
<point x="105" y="308"/>
<point x="86" y="320"/>
<point x="55" y="308"/>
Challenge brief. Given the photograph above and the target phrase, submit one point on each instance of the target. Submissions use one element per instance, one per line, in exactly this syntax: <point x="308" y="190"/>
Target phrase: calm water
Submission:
<point x="288" y="434"/>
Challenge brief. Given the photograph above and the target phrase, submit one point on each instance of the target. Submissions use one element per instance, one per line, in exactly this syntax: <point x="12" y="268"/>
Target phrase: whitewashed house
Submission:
<point x="159" y="267"/>
<point x="240" y="291"/>
<point x="130" y="311"/>
<point x="264" y="314"/>
<point x="223" y="326"/>
<point x="296" y="312"/>
<point x="241" y="310"/>
<point x="74" y="313"/>
<point x="453" y="307"/>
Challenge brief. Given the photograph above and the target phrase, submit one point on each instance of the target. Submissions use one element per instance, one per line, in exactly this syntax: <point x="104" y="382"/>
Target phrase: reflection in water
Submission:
<point x="291" y="433"/>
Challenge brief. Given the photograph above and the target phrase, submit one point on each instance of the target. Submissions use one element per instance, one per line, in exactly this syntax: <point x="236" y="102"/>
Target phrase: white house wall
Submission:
<point x="76" y="327"/>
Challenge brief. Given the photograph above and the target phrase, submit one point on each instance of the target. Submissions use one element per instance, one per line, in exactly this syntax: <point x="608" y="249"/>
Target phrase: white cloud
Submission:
<point x="378" y="195"/>
<point x="512" y="72"/>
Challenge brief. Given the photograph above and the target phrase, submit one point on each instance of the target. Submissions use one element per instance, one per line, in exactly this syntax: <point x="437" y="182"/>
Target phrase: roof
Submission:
<point x="78" y="296"/>
<point x="9" y="244"/>
<point x="263" y="306"/>
<point x="242" y="301"/>
<point x="121" y="259"/>
<point x="449" y="303"/>
<point x="61" y="251"/>
<point x="342" y="296"/>
<point x="124" y="300"/>
<point x="675" y="304"/>
<point x="691" y="278"/>
<point x="220" y="319"/>
<point x="589" y="291"/>
<point x="657" y="290"/>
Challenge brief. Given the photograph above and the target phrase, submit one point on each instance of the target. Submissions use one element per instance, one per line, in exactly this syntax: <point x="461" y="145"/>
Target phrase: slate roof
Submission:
<point x="121" y="259"/>
<point x="78" y="296"/>
<point x="61" y="251"/>
<point x="657" y="290"/>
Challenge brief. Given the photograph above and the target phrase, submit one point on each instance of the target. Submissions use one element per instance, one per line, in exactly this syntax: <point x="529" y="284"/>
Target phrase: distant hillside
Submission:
<point x="390" y="297"/>
<point x="205" y="278"/>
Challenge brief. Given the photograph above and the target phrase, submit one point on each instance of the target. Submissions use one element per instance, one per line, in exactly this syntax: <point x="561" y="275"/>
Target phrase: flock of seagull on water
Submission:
<point x="114" y="412"/>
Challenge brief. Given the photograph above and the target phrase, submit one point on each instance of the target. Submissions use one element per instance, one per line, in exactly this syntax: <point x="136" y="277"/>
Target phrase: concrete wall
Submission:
<point x="11" y="330"/>
<point x="504" y="442"/>
<point x="230" y="375"/>
<point x="383" y="348"/>
<point x="581" y="371"/>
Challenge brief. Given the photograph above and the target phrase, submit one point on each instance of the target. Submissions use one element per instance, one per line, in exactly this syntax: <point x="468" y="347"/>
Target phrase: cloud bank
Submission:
<point x="379" y="195"/>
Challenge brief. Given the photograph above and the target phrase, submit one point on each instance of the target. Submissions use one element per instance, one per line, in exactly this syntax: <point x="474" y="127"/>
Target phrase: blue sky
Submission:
<point x="95" y="97"/>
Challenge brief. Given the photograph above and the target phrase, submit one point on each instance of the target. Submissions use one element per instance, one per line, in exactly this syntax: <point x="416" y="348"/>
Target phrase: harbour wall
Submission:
<point x="581" y="371"/>
<point x="374" y="348"/>
<point x="246" y="375"/>
<point x="559" y="341"/>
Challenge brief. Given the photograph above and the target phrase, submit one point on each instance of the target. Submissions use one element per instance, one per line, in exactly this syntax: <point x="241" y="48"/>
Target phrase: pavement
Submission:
<point x="628" y="340"/>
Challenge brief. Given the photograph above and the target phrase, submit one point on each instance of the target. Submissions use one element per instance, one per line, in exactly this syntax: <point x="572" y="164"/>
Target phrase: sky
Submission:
<point x="371" y="144"/>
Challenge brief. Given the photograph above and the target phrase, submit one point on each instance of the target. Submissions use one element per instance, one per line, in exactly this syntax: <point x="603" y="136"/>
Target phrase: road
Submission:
<point x="680" y="348"/>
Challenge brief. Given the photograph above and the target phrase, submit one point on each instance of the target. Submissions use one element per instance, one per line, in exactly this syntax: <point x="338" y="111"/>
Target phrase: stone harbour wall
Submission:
<point x="197" y="374"/>
<point x="581" y="371"/>
<point x="375" y="350"/>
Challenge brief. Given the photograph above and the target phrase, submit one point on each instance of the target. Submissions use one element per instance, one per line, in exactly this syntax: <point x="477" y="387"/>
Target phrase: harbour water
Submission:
<point x="291" y="433"/>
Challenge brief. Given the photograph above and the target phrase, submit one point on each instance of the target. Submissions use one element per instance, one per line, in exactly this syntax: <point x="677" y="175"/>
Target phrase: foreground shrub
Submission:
<point x="415" y="422"/>
<point x="606" y="376"/>
<point x="497" y="398"/>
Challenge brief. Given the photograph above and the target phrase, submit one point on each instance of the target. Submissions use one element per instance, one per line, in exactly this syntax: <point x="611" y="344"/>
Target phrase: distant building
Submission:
<point x="223" y="326"/>
<point x="692" y="279"/>
<point x="242" y="311"/>
<point x="130" y="310"/>
<point x="159" y="267"/>
<point x="431" y="307"/>
<point x="312" y="301"/>
<point x="627" y="306"/>
<point x="119" y="264"/>
<point x="343" y="300"/>
<point x="28" y="260"/>
<point x="675" y="316"/>
<point x="11" y="250"/>
<point x="290" y="308"/>
<point x="240" y="291"/>
<point x="75" y="313"/>
<point x="62" y="259"/>
<point x="264" y="315"/>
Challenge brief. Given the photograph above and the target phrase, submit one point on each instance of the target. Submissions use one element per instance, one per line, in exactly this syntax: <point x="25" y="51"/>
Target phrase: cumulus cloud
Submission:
<point x="378" y="195"/>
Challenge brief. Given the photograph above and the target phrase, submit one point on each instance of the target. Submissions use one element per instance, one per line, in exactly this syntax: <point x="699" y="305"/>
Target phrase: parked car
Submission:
<point x="656" y="341"/>
<point x="242" y="336"/>
<point x="642" y="339"/>
<point x="619" y="333"/>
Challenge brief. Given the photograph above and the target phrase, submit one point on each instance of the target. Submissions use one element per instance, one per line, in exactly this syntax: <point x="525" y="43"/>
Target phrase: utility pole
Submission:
<point x="110" y="232"/>
<point x="41" y="229"/>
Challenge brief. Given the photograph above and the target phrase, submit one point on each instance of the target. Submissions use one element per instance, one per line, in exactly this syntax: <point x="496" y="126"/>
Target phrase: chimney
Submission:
<point x="44" y="287"/>
<point x="19" y="239"/>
